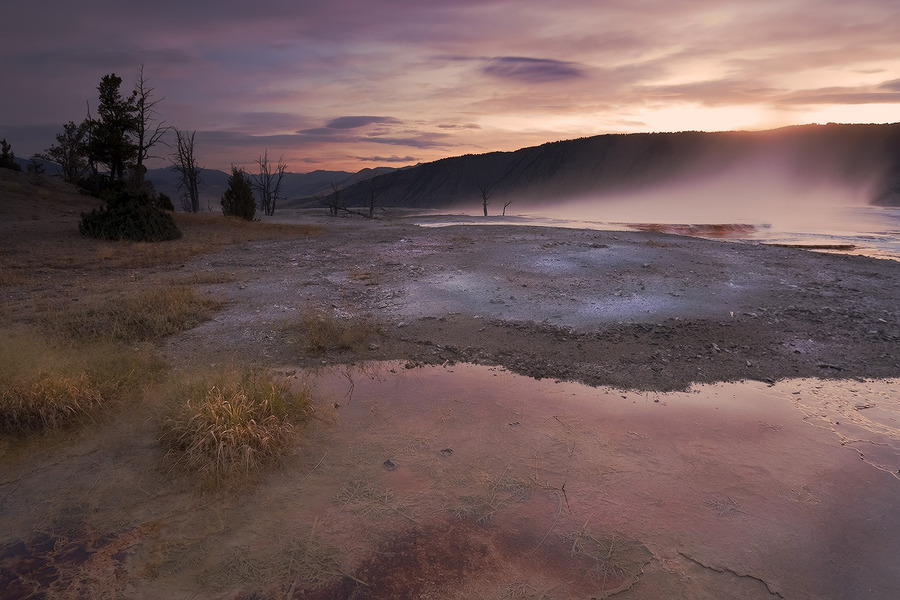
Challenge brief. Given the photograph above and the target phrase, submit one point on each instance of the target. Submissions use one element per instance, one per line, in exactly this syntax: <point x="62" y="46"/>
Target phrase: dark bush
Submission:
<point x="164" y="202"/>
<point x="131" y="217"/>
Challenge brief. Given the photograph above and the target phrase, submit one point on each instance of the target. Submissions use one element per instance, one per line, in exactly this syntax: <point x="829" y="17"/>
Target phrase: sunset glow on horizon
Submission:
<point x="351" y="84"/>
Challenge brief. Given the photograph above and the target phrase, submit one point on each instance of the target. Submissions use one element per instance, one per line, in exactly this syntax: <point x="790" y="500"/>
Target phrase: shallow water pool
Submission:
<point x="467" y="481"/>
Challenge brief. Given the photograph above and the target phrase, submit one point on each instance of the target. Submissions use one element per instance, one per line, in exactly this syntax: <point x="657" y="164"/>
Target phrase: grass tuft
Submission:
<point x="233" y="425"/>
<point x="319" y="332"/>
<point x="46" y="385"/>
<point x="49" y="402"/>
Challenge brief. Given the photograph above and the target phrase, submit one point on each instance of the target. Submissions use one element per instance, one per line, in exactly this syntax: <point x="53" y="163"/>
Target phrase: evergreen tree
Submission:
<point x="111" y="140"/>
<point x="70" y="151"/>
<point x="7" y="157"/>
<point x="238" y="198"/>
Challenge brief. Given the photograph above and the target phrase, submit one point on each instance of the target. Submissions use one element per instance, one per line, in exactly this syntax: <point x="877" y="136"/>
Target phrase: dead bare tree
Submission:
<point x="150" y="129"/>
<point x="332" y="200"/>
<point x="486" y="189"/>
<point x="372" y="191"/>
<point x="185" y="164"/>
<point x="505" y="204"/>
<point x="268" y="183"/>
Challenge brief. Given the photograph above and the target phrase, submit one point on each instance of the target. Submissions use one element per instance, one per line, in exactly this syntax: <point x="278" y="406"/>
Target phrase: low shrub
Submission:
<point x="164" y="202"/>
<point x="232" y="425"/>
<point x="127" y="216"/>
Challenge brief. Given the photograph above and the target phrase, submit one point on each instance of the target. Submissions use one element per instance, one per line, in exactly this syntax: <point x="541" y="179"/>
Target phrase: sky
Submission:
<point x="351" y="84"/>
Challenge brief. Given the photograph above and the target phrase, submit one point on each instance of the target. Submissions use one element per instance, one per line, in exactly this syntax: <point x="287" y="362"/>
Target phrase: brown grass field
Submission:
<point x="80" y="316"/>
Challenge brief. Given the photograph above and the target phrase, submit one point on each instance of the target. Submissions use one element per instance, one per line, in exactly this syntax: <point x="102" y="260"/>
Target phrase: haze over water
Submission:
<point x="754" y="205"/>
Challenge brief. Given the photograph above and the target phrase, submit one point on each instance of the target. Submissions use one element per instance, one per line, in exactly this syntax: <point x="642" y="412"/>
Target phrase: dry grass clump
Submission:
<point x="45" y="385"/>
<point x="50" y="402"/>
<point x="233" y="425"/>
<point x="319" y="332"/>
<point x="147" y="315"/>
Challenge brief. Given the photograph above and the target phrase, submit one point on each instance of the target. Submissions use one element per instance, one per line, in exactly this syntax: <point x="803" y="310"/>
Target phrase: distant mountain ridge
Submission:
<point x="294" y="186"/>
<point x="864" y="156"/>
<point x="606" y="164"/>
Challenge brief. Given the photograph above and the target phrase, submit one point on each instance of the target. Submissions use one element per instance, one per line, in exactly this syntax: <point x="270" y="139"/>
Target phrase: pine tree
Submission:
<point x="238" y="198"/>
<point x="111" y="140"/>
<point x="8" y="157"/>
<point x="70" y="151"/>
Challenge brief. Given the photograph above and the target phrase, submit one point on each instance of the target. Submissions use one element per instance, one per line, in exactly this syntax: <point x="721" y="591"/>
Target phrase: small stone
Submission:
<point x="389" y="465"/>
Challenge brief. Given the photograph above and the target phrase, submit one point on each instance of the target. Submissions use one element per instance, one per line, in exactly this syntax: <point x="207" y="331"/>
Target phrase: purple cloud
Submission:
<point x="357" y="122"/>
<point x="533" y="70"/>
<point x="387" y="159"/>
<point x="845" y="96"/>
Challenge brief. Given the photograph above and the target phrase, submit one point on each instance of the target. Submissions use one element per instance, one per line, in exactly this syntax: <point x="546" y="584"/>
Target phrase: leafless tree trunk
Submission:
<point x="184" y="162"/>
<point x="505" y="204"/>
<point x="268" y="182"/>
<point x="486" y="190"/>
<point x="149" y="130"/>
<point x="332" y="200"/>
<point x="372" y="197"/>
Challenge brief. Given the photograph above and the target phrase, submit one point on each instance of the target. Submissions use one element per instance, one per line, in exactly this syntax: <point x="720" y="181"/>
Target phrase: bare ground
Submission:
<point x="632" y="310"/>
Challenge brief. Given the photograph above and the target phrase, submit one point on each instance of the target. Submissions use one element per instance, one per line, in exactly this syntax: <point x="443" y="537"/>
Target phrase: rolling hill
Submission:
<point x="858" y="156"/>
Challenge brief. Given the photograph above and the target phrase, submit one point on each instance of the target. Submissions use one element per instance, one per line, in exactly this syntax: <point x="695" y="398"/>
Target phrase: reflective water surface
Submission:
<point x="733" y="490"/>
<point x="864" y="230"/>
<point x="466" y="481"/>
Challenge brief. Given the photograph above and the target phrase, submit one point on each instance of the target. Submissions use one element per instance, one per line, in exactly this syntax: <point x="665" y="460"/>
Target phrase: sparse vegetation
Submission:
<point x="231" y="424"/>
<point x="52" y="385"/>
<point x="501" y="492"/>
<point x="305" y="562"/>
<point x="318" y="332"/>
<point x="151" y="314"/>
